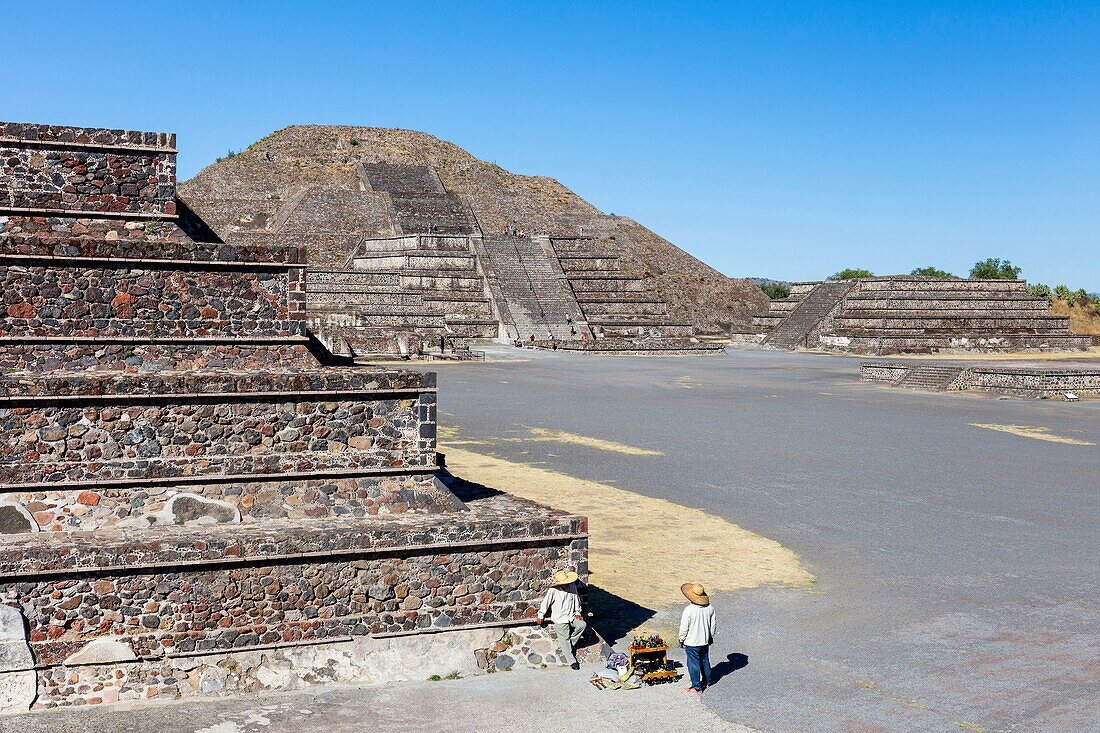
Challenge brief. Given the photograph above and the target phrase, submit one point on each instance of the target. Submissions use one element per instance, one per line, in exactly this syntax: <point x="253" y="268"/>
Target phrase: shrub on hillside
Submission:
<point x="932" y="272"/>
<point x="994" y="268"/>
<point x="1038" y="290"/>
<point x="850" y="273"/>
<point x="775" y="291"/>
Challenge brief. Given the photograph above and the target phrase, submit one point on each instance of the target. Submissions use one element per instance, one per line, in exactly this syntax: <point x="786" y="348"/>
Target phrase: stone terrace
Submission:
<point x="182" y="483"/>
<point x="616" y="304"/>
<point x="402" y="294"/>
<point x="420" y="202"/>
<point x="914" y="314"/>
<point x="1049" y="381"/>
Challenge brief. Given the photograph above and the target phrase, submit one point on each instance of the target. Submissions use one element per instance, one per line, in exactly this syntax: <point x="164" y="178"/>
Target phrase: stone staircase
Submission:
<point x="794" y="330"/>
<point x="929" y="377"/>
<point x="420" y="202"/>
<point x="616" y="304"/>
<point x="538" y="298"/>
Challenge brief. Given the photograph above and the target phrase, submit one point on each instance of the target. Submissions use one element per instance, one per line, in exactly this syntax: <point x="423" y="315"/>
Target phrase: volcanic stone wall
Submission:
<point x="181" y="481"/>
<point x="73" y="169"/>
<point x="1051" y="382"/>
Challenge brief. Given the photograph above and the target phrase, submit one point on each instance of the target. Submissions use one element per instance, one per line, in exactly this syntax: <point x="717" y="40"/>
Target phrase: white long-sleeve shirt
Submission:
<point x="561" y="603"/>
<point x="697" y="625"/>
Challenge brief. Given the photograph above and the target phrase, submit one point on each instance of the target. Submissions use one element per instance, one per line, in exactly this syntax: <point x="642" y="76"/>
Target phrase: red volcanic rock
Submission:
<point x="22" y="310"/>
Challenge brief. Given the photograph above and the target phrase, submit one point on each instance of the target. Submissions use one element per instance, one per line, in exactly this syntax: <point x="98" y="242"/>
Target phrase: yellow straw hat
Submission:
<point x="564" y="577"/>
<point x="695" y="593"/>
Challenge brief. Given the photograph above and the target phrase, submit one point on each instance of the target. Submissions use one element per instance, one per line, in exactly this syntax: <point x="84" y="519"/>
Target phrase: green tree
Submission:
<point x="850" y="273"/>
<point x="775" y="291"/>
<point x="994" y="268"/>
<point x="1038" y="290"/>
<point x="932" y="272"/>
<point x="1063" y="293"/>
<point x="1081" y="298"/>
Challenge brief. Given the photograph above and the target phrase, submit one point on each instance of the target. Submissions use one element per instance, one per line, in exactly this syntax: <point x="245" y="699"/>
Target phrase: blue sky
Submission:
<point x="776" y="139"/>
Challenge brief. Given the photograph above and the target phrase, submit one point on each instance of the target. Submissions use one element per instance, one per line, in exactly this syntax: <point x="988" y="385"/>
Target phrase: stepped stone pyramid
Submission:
<point x="190" y="502"/>
<point x="913" y="314"/>
<point x="409" y="235"/>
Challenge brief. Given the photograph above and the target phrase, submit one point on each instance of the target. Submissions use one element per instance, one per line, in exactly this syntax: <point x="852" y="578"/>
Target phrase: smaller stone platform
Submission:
<point x="1032" y="380"/>
<point x="915" y="315"/>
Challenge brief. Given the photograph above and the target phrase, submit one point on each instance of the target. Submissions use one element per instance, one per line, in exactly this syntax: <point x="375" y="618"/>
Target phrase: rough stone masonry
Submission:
<point x="190" y="503"/>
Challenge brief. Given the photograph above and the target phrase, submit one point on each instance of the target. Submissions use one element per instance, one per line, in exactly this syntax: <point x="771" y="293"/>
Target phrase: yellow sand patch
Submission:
<point x="560" y="436"/>
<point x="1032" y="431"/>
<point x="640" y="548"/>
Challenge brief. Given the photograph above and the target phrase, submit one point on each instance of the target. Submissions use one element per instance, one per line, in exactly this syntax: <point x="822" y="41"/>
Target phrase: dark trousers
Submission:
<point x="698" y="664"/>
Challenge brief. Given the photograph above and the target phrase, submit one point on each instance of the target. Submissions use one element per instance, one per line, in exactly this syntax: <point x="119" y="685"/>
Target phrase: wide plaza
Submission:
<point x="953" y="536"/>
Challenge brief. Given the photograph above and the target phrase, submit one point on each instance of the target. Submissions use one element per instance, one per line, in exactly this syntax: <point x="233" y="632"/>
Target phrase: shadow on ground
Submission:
<point x="466" y="491"/>
<point x="732" y="663"/>
<point x="615" y="617"/>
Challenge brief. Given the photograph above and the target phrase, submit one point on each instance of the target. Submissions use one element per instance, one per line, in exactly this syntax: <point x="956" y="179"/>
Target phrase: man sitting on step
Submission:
<point x="563" y="606"/>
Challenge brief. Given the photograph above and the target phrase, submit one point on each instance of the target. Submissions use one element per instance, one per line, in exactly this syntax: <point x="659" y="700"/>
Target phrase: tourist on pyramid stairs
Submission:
<point x="697" y="629"/>
<point x="562" y="605"/>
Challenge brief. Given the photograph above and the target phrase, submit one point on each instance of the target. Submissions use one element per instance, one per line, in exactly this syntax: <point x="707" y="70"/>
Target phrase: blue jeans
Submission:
<point x="698" y="664"/>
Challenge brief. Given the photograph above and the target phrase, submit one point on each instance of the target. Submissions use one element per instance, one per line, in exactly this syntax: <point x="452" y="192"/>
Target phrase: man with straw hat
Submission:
<point x="696" y="634"/>
<point x="562" y="605"/>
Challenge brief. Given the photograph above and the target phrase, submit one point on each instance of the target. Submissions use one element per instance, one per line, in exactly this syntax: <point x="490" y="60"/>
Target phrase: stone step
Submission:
<point x="400" y="178"/>
<point x="907" y="298"/>
<point x="606" y="284"/>
<point x="382" y="318"/>
<point x="351" y="278"/>
<point x="358" y="297"/>
<point x="927" y="315"/>
<point x="413" y="243"/>
<point x="888" y="343"/>
<point x="655" y="346"/>
<point x="793" y="331"/>
<point x="426" y="260"/>
<point x="438" y="213"/>
<point x="986" y="326"/>
<point x="934" y="378"/>
<point x="538" y="298"/>
<point x="916" y="284"/>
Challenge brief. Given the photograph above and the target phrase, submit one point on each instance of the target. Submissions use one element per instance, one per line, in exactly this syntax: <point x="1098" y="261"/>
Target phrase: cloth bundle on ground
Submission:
<point x="616" y="660"/>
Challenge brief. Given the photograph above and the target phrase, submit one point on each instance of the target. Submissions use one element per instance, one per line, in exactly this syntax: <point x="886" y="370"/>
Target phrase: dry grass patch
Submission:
<point x="1083" y="319"/>
<point x="641" y="548"/>
<point x="1032" y="431"/>
<point x="560" y="436"/>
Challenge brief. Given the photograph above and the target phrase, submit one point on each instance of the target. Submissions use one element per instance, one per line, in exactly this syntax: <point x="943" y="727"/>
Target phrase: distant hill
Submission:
<point x="309" y="185"/>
